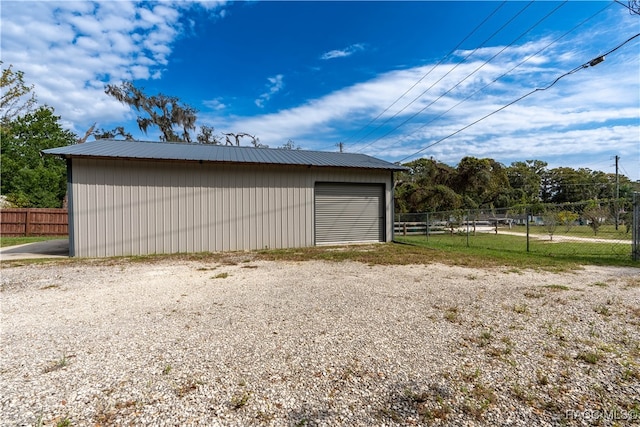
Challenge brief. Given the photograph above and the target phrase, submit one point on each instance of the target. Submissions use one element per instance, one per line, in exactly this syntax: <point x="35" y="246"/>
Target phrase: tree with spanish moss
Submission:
<point x="173" y="118"/>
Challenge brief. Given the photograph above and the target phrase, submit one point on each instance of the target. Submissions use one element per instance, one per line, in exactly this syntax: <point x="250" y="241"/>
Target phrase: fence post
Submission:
<point x="27" y="222"/>
<point x="526" y="215"/>
<point x="468" y="215"/>
<point x="427" y="227"/>
<point x="635" y="229"/>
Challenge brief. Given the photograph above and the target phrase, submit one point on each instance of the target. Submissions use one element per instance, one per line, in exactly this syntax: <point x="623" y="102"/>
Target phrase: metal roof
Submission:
<point x="118" y="149"/>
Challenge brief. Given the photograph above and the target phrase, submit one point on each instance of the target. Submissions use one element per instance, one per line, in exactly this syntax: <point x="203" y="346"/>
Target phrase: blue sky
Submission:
<point x="388" y="79"/>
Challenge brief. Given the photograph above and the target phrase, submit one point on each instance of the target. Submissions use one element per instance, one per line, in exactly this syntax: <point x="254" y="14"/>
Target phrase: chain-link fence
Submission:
<point x="591" y="230"/>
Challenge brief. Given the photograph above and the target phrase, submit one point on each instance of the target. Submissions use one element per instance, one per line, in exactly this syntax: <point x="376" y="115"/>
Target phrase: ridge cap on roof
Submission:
<point x="192" y="144"/>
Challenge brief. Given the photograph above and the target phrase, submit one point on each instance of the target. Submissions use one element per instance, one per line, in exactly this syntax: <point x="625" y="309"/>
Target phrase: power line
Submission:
<point x="595" y="61"/>
<point x="463" y="80"/>
<point x="598" y="163"/>
<point x="426" y="74"/>
<point x="634" y="6"/>
<point x="421" y="78"/>
<point x="516" y="66"/>
<point x="439" y="80"/>
<point x="627" y="174"/>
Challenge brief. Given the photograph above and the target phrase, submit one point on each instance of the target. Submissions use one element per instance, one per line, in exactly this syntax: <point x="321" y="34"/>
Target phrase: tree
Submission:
<point x="290" y="145"/>
<point x="430" y="186"/>
<point x="440" y="198"/>
<point x="165" y="112"/>
<point x="428" y="172"/>
<point x="550" y="224"/>
<point x="206" y="136"/>
<point x="627" y="220"/>
<point x="567" y="185"/>
<point x="596" y="216"/>
<point x="567" y="218"/>
<point x="482" y="183"/>
<point x="525" y="179"/>
<point x="112" y="134"/>
<point x="425" y="187"/>
<point x="238" y="136"/>
<point x="28" y="178"/>
<point x="17" y="98"/>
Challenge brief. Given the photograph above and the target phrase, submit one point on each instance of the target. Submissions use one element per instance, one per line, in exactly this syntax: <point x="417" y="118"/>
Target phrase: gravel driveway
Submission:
<point x="317" y="343"/>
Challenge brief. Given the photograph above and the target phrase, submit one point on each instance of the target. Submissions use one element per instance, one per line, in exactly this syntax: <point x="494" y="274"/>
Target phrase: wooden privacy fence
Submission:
<point x="34" y="222"/>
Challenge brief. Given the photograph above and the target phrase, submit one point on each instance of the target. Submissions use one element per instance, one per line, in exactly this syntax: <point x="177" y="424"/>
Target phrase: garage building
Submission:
<point x="137" y="198"/>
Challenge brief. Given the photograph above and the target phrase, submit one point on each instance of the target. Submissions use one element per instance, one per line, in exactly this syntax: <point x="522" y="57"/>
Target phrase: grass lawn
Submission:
<point x="512" y="250"/>
<point x="604" y="232"/>
<point x="13" y="241"/>
<point x="485" y="250"/>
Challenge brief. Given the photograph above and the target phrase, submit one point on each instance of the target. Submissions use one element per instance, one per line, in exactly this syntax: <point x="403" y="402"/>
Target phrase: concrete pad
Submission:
<point x="57" y="248"/>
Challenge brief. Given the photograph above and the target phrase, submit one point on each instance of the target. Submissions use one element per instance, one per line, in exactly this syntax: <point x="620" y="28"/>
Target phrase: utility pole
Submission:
<point x="340" y="146"/>
<point x="616" y="207"/>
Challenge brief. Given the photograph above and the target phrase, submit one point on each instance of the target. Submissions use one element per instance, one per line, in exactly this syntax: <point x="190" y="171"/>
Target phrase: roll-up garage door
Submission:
<point x="349" y="213"/>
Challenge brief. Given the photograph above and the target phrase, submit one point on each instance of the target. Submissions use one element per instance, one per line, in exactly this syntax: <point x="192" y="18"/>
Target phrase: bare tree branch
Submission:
<point x="17" y="98"/>
<point x="237" y="136"/>
<point x="87" y="134"/>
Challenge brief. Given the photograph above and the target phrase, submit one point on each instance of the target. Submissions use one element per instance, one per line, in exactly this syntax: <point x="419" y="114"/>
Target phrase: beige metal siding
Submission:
<point x="129" y="207"/>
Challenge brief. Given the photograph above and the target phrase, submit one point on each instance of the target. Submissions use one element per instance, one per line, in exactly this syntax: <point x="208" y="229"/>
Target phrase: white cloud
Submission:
<point x="593" y="112"/>
<point x="578" y="146"/>
<point x="214" y="104"/>
<point x="61" y="46"/>
<point x="275" y="85"/>
<point x="342" y="53"/>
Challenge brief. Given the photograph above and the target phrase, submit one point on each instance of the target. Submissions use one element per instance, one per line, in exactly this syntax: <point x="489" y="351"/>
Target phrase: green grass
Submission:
<point x="13" y="241"/>
<point x="557" y="287"/>
<point x="411" y="252"/>
<point x="59" y="364"/>
<point x="65" y="422"/>
<point x="604" y="232"/>
<point x="512" y="250"/>
<point x="484" y="251"/>
<point x="240" y="399"/>
<point x="220" y="276"/>
<point x="589" y="357"/>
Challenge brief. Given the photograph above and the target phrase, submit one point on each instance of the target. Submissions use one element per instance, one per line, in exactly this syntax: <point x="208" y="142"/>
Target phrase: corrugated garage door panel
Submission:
<point x="349" y="213"/>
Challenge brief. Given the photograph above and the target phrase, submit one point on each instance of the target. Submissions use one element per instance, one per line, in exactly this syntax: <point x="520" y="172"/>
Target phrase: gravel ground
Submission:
<point x="317" y="343"/>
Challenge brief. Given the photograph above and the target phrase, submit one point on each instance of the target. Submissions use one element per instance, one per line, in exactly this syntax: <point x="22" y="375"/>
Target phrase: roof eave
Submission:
<point x="200" y="161"/>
